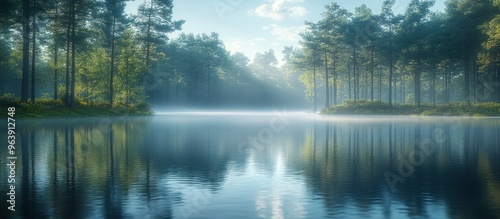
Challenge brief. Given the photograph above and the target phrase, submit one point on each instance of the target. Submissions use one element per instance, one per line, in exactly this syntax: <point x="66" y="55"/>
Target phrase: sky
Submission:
<point x="255" y="26"/>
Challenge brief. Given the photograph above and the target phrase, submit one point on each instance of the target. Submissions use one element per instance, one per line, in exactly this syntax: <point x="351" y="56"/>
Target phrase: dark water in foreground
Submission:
<point x="255" y="166"/>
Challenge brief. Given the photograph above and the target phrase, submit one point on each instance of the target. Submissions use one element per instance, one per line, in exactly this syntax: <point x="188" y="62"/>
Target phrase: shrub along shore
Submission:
<point x="377" y="107"/>
<point x="49" y="108"/>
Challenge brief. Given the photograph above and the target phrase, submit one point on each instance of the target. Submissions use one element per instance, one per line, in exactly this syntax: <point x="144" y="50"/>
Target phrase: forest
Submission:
<point x="91" y="53"/>
<point x="416" y="57"/>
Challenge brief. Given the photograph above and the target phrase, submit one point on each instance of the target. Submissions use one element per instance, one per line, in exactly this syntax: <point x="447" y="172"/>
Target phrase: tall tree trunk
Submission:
<point x="128" y="96"/>
<point x="466" y="80"/>
<point x="55" y="73"/>
<point x="112" y="70"/>
<point x="73" y="54"/>
<point x="395" y="99"/>
<point x="87" y="90"/>
<point x="33" y="54"/>
<point x="365" y="86"/>
<point x="314" y="82"/>
<point x="371" y="76"/>
<point x="334" y="93"/>
<point x="417" y="85"/>
<point x="327" y="104"/>
<point x="331" y="91"/>
<point x="363" y="92"/>
<point x="148" y="37"/>
<point x="349" y="80"/>
<point x="66" y="92"/>
<point x="356" y="79"/>
<point x="475" y="81"/>
<point x="443" y="90"/>
<point x="434" y="85"/>
<point x="390" y="79"/>
<point x="26" y="49"/>
<point x="447" y="83"/>
<point x="380" y="82"/>
<point x="55" y="52"/>
<point x="390" y="65"/>
<point x="402" y="90"/>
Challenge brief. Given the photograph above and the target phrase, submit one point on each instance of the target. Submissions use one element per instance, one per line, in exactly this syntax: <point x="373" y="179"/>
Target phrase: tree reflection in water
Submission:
<point x="180" y="168"/>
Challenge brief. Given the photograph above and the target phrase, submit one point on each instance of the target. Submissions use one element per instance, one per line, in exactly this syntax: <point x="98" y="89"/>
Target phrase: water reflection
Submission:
<point x="317" y="167"/>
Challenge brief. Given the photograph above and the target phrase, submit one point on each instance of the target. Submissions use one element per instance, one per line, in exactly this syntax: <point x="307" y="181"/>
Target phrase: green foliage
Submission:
<point x="155" y="20"/>
<point x="15" y="59"/>
<point x="307" y="78"/>
<point x="419" y="56"/>
<point x="143" y="106"/>
<point x="489" y="57"/>
<point x="131" y="70"/>
<point x="376" y="107"/>
<point x="7" y="99"/>
<point x="361" y="106"/>
<point x="49" y="108"/>
<point x="93" y="66"/>
<point x="264" y="68"/>
<point x="92" y="70"/>
<point x="461" y="109"/>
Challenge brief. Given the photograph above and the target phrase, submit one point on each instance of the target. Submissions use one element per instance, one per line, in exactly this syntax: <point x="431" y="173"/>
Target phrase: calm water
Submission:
<point x="256" y="166"/>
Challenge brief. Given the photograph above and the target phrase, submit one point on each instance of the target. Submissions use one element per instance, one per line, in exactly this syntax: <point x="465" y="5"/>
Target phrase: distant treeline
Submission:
<point x="419" y="56"/>
<point x="90" y="52"/>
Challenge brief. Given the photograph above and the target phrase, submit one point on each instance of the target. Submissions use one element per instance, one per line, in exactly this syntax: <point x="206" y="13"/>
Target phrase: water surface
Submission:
<point x="257" y="165"/>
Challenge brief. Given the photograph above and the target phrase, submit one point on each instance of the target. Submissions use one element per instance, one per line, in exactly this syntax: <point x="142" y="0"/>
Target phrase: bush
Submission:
<point x="361" y="106"/>
<point x="9" y="100"/>
<point x="143" y="106"/>
<point x="49" y="103"/>
<point x="47" y="107"/>
<point x="378" y="107"/>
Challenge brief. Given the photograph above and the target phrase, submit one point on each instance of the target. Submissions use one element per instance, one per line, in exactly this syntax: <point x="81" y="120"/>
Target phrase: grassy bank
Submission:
<point x="48" y="108"/>
<point x="376" y="107"/>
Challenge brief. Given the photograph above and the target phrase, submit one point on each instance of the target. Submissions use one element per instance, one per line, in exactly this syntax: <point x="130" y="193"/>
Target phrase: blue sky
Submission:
<point x="252" y="26"/>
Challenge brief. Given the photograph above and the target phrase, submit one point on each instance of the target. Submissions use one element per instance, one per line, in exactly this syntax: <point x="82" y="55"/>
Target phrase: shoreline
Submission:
<point x="57" y="110"/>
<point x="376" y="107"/>
<point x="51" y="109"/>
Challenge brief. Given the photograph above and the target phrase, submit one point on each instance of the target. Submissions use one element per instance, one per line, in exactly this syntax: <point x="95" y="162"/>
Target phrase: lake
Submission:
<point x="256" y="165"/>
